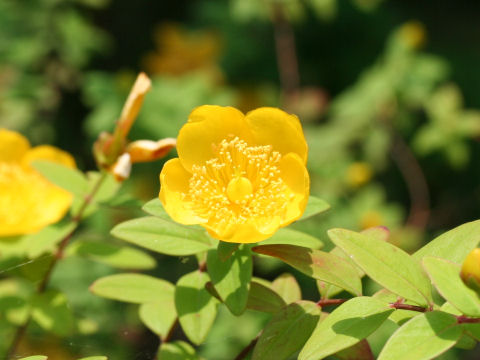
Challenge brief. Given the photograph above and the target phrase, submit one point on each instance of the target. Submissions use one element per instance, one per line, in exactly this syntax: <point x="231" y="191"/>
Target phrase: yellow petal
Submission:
<point x="207" y="126"/>
<point x="133" y="104"/>
<point x="28" y="202"/>
<point x="148" y="150"/>
<point x="12" y="145"/>
<point x="271" y="126"/>
<point x="174" y="183"/>
<point x="50" y="153"/>
<point x="295" y="175"/>
<point x="239" y="233"/>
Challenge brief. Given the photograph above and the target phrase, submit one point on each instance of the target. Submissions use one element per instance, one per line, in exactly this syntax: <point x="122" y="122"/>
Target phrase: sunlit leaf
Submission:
<point x="154" y="207"/>
<point x="36" y="357"/>
<point x="315" y="206"/>
<point x="177" y="350"/>
<point x="159" y="316"/>
<point x="293" y="237"/>
<point x="95" y="358"/>
<point x="287" y="287"/>
<point x="345" y="326"/>
<point x="67" y="178"/>
<point x="133" y="288"/>
<point x="46" y="239"/>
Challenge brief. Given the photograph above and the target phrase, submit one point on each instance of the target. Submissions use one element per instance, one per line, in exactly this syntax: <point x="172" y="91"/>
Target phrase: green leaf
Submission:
<point x="445" y="276"/>
<point x="315" y="206"/>
<point x="287" y="287"/>
<point x="196" y="308"/>
<point x="287" y="331"/>
<point x="453" y="245"/>
<point x="154" y="207"/>
<point x="51" y="311"/>
<point x="231" y="278"/>
<point x="159" y="316"/>
<point x="133" y="288"/>
<point x="423" y="337"/>
<point x="293" y="237"/>
<point x="359" y="351"/>
<point x="95" y="358"/>
<point x="399" y="316"/>
<point x="69" y="179"/>
<point x="316" y="264"/>
<point x="327" y="291"/>
<point x="122" y="257"/>
<point x="165" y="237"/>
<point x="347" y="325"/>
<point x="262" y="298"/>
<point x="226" y="249"/>
<point x="386" y="264"/>
<point x="178" y="350"/>
<point x="46" y="239"/>
<point x="35" y="357"/>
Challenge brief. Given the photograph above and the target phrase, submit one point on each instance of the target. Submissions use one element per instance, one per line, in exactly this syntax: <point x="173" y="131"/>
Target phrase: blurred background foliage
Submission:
<point x="387" y="92"/>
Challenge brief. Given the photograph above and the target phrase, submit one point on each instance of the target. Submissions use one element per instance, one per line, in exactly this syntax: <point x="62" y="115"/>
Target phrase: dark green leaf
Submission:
<point x="226" y="249"/>
<point x="133" y="288"/>
<point x="359" y="351"/>
<point x="317" y="264"/>
<point x="445" y="275"/>
<point x="51" y="311"/>
<point x="423" y="337"/>
<point x="67" y="178"/>
<point x="385" y="263"/>
<point x="178" y="350"/>
<point x="163" y="236"/>
<point x="196" y="308"/>
<point x="453" y="245"/>
<point x="287" y="331"/>
<point x="262" y="298"/>
<point x="122" y="257"/>
<point x="347" y="325"/>
<point x="231" y="278"/>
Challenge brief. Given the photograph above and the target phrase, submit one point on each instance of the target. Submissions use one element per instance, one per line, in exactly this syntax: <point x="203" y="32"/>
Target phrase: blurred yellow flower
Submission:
<point x="240" y="176"/>
<point x="470" y="272"/>
<point x="28" y="201"/>
<point x="413" y="34"/>
<point x="358" y="174"/>
<point x="371" y="219"/>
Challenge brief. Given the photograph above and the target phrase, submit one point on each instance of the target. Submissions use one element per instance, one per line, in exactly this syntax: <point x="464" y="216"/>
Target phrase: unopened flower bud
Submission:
<point x="122" y="167"/>
<point x="470" y="272"/>
<point x="148" y="150"/>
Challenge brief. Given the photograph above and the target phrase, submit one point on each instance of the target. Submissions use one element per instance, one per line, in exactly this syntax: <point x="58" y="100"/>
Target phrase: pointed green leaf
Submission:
<point x="453" y="245"/>
<point x="378" y="232"/>
<point x="231" y="278"/>
<point x="122" y="257"/>
<point x="287" y="331"/>
<point x="423" y="337"/>
<point x="359" y="351"/>
<point x="317" y="264"/>
<point x="226" y="249"/>
<point x="95" y="358"/>
<point x="35" y="357"/>
<point x="315" y="206"/>
<point x="178" y="350"/>
<point x="159" y="316"/>
<point x="445" y="275"/>
<point x="386" y="264"/>
<point x="46" y="239"/>
<point x="347" y="325"/>
<point x="165" y="237"/>
<point x="287" y="287"/>
<point x="293" y="237"/>
<point x="67" y="178"/>
<point x="196" y="308"/>
<point x="51" y="311"/>
<point x="154" y="207"/>
<point x="133" y="288"/>
<point x="263" y="298"/>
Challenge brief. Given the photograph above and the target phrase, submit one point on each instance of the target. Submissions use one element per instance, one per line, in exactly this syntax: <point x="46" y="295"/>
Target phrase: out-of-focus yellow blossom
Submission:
<point x="470" y="272"/>
<point x="28" y="201"/>
<point x="180" y="51"/>
<point x="113" y="152"/>
<point x="371" y="219"/>
<point x="358" y="174"/>
<point x="240" y="176"/>
<point x="413" y="34"/>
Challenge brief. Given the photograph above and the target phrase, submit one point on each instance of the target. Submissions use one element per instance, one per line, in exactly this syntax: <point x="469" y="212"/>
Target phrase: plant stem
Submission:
<point x="462" y="319"/>
<point x="57" y="256"/>
<point x="243" y="354"/>
<point x="399" y="306"/>
<point x="327" y="302"/>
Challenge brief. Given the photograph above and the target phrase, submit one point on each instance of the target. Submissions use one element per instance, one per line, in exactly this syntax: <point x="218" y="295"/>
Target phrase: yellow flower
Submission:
<point x="470" y="272"/>
<point x="28" y="201"/>
<point x="239" y="176"/>
<point x="358" y="174"/>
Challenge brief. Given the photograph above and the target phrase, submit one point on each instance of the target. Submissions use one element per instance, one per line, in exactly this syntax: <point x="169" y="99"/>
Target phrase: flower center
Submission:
<point x="241" y="183"/>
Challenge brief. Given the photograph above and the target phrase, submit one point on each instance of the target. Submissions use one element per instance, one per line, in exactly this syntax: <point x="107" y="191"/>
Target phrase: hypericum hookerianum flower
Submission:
<point x="470" y="272"/>
<point x="240" y="176"/>
<point x="28" y="201"/>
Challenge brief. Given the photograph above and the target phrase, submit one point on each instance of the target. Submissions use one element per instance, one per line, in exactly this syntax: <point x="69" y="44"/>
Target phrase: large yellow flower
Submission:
<point x="28" y="201"/>
<point x="240" y="176"/>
